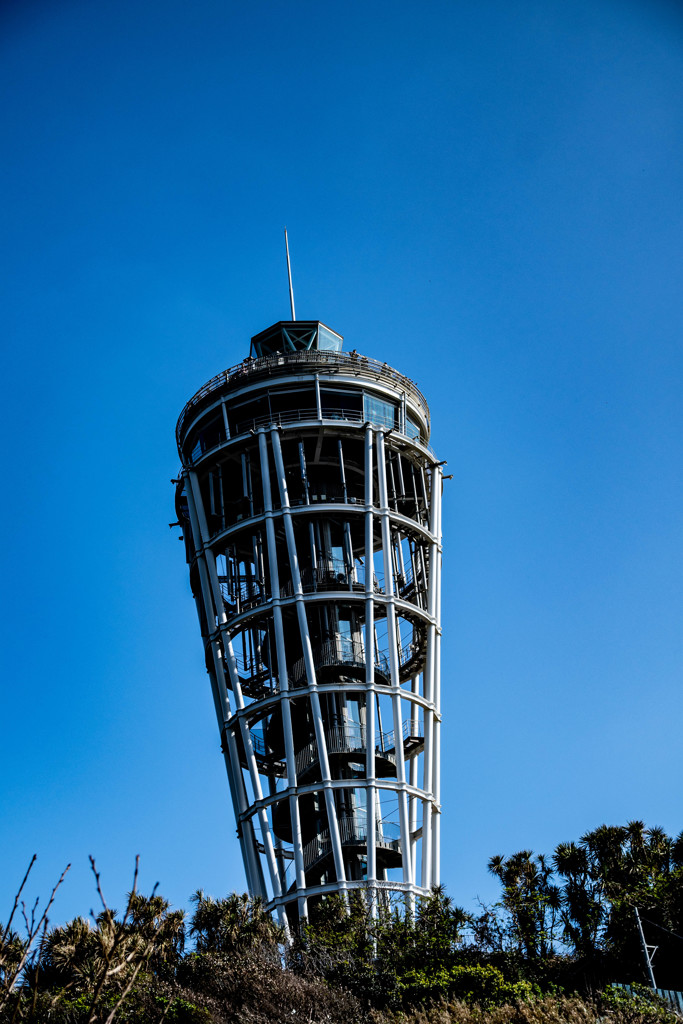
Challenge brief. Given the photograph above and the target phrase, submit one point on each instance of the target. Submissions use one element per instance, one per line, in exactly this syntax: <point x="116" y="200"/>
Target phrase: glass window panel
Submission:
<point x="328" y="341"/>
<point x="292" y="400"/>
<point x="378" y="411"/>
<point x="337" y="404"/>
<point x="412" y="429"/>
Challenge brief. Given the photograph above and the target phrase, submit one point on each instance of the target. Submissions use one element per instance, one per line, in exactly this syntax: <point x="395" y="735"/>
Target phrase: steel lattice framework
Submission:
<point x="311" y="507"/>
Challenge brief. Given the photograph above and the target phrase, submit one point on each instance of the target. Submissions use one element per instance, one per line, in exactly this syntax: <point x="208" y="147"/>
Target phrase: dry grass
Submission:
<point x="548" y="1010"/>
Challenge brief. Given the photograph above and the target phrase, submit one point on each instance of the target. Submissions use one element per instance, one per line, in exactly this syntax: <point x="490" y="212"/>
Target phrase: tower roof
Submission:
<point x="295" y="336"/>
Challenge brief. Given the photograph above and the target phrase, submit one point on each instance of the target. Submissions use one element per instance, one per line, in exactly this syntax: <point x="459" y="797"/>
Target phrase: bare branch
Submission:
<point x="5" y="933"/>
<point x="133" y="892"/>
<point x="34" y="929"/>
<point x="97" y="882"/>
<point x="119" y="937"/>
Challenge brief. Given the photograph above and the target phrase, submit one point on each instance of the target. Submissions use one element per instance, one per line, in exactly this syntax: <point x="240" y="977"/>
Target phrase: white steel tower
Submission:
<point x="311" y="507"/>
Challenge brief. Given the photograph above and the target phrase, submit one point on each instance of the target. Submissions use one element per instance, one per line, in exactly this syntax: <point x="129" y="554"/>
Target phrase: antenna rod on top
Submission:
<point x="289" y="273"/>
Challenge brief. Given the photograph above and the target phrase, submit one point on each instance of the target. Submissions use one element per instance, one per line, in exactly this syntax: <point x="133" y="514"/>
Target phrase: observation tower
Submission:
<point x="310" y="502"/>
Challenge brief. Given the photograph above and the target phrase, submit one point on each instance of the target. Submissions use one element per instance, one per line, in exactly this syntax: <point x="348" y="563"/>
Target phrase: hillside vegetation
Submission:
<point x="563" y="930"/>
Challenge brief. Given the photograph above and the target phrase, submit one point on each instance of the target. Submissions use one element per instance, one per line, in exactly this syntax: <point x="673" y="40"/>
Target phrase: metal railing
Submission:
<point x="331" y="577"/>
<point x="284" y="419"/>
<point x="255" y="676"/>
<point x="410" y="652"/>
<point x="333" y="653"/>
<point x="320" y="490"/>
<point x="320" y="493"/>
<point x="353" y="831"/>
<point x="241" y="508"/>
<point x="341" y="652"/>
<point x="670" y="996"/>
<point x="200" y="448"/>
<point x="288" y="416"/>
<point x="408" y="586"/>
<point x="351" y="739"/>
<point x="404" y="579"/>
<point x="258" y="742"/>
<point x="242" y="593"/>
<point x="253" y="369"/>
<point x="348" y="739"/>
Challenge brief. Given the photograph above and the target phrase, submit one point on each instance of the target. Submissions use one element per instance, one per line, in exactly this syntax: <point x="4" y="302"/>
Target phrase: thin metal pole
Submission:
<point x="646" y="952"/>
<point x="289" y="274"/>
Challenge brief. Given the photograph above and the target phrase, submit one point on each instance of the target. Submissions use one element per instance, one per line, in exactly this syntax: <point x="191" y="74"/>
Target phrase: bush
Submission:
<point x="473" y="983"/>
<point x="636" y="1004"/>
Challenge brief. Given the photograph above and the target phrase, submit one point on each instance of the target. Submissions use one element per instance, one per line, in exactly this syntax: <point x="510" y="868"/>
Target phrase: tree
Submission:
<point x="583" y="907"/>
<point x="232" y="924"/>
<point x="636" y="867"/>
<point x="531" y="901"/>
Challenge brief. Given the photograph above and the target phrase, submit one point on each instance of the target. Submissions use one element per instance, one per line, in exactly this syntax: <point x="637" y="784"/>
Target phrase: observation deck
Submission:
<point x="333" y="363"/>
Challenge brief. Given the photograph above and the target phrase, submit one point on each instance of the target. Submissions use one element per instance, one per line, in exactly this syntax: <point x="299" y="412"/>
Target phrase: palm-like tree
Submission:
<point x="107" y="956"/>
<point x="531" y="899"/>
<point x="12" y="952"/>
<point x="235" y="923"/>
<point x="626" y="867"/>
<point x="583" y="908"/>
<point x="68" y="956"/>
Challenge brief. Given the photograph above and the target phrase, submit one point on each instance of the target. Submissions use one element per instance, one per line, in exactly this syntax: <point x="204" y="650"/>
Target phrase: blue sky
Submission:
<point x="487" y="196"/>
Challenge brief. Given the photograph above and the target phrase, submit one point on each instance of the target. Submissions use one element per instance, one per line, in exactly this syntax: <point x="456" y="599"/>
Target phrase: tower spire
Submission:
<point x="289" y="274"/>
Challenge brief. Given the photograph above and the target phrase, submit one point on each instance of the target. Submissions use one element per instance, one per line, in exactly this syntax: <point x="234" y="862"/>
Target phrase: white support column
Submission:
<point x="436" y="570"/>
<point x="235" y="685"/>
<point x="394" y="661"/>
<point x="428" y="768"/>
<point x="412" y="803"/>
<point x="279" y="851"/>
<point x="429" y="679"/>
<point x="225" y="419"/>
<point x="318" y="404"/>
<point x="282" y="675"/>
<point x="316" y="711"/>
<point x="252" y="864"/>
<point x="245" y="832"/>
<point x="370" y="724"/>
<point x="207" y="568"/>
<point x="266" y="832"/>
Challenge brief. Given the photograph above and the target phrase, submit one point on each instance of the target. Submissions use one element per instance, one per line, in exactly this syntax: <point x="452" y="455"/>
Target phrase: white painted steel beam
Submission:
<point x="394" y="659"/>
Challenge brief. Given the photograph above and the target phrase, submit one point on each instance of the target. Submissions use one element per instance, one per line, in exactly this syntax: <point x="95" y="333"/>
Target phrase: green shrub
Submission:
<point x="636" y="1005"/>
<point x="472" y="983"/>
<point x="182" y="1011"/>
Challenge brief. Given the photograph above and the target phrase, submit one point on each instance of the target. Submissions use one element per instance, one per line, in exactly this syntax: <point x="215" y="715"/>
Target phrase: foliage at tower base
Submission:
<point x="563" y="931"/>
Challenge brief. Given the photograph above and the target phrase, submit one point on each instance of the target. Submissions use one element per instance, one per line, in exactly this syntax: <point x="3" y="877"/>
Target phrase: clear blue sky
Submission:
<point x="486" y="195"/>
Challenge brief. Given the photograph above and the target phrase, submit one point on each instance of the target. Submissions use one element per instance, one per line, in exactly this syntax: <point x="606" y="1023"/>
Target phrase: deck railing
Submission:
<point x="341" y="652"/>
<point x="351" y="739"/>
<point x="353" y="831"/>
<point x="253" y="369"/>
<point x="332" y="576"/>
